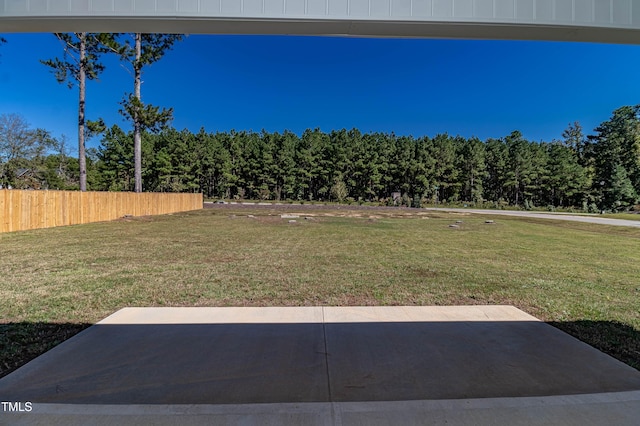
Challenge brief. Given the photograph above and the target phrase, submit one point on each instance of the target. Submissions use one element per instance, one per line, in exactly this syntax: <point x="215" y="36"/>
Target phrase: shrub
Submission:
<point x="417" y="202"/>
<point x="339" y="190"/>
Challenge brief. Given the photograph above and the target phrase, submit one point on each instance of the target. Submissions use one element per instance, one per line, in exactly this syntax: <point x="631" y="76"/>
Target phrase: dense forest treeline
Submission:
<point x="595" y="172"/>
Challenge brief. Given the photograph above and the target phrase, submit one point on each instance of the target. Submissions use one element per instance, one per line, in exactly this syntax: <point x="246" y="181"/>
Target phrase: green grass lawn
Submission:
<point x="625" y="216"/>
<point x="581" y="278"/>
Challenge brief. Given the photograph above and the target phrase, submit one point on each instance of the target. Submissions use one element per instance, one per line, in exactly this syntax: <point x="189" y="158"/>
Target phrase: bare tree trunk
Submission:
<point x="82" y="159"/>
<point x="137" y="137"/>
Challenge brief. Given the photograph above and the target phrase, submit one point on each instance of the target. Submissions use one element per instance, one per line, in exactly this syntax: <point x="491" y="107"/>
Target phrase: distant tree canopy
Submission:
<point x="599" y="171"/>
<point x="349" y="165"/>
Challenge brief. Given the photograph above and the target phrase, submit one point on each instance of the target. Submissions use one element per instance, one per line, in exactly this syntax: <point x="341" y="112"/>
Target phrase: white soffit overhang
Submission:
<point x="607" y="21"/>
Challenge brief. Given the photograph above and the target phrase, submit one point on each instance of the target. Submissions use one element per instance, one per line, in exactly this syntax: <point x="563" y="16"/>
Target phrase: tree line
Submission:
<point x="594" y="172"/>
<point x="588" y="172"/>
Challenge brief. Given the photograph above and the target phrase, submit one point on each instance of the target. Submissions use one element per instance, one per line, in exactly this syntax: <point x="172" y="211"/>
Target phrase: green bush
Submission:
<point x="417" y="202"/>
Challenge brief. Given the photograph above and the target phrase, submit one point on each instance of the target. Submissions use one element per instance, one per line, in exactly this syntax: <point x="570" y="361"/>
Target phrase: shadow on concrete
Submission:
<point x="316" y="362"/>
<point x="619" y="340"/>
<point x="20" y="342"/>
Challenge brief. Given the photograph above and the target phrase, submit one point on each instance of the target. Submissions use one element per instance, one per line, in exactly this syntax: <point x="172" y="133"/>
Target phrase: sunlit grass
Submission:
<point x="625" y="216"/>
<point x="562" y="272"/>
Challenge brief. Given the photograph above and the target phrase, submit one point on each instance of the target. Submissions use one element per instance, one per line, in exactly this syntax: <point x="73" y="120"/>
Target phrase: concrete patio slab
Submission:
<point x="363" y="314"/>
<point x="223" y="315"/>
<point x="179" y="364"/>
<point x="325" y="366"/>
<point x="400" y="361"/>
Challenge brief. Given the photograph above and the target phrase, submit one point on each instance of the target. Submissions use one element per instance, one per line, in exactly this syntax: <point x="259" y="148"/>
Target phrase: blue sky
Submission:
<point x="407" y="86"/>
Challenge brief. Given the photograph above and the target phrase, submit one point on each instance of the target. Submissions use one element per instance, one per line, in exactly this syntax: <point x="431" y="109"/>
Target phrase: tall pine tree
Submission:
<point x="140" y="51"/>
<point x="80" y="62"/>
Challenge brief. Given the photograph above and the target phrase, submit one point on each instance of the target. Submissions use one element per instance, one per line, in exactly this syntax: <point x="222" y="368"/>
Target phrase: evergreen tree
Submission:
<point x="81" y="62"/>
<point x="422" y="170"/>
<point x="141" y="50"/>
<point x="285" y="165"/>
<point x="115" y="161"/>
<point x="268" y="168"/>
<point x="445" y="171"/>
<point x="310" y="183"/>
<point x="616" y="156"/>
<point x="403" y="162"/>
<point x="497" y="154"/>
<point x="214" y="172"/>
<point x="520" y="167"/>
<point x="472" y="167"/>
<point x="620" y="194"/>
<point x="567" y="181"/>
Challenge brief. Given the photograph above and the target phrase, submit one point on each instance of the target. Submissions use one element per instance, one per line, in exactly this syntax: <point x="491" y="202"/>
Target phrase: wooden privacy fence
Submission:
<point x="22" y="210"/>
